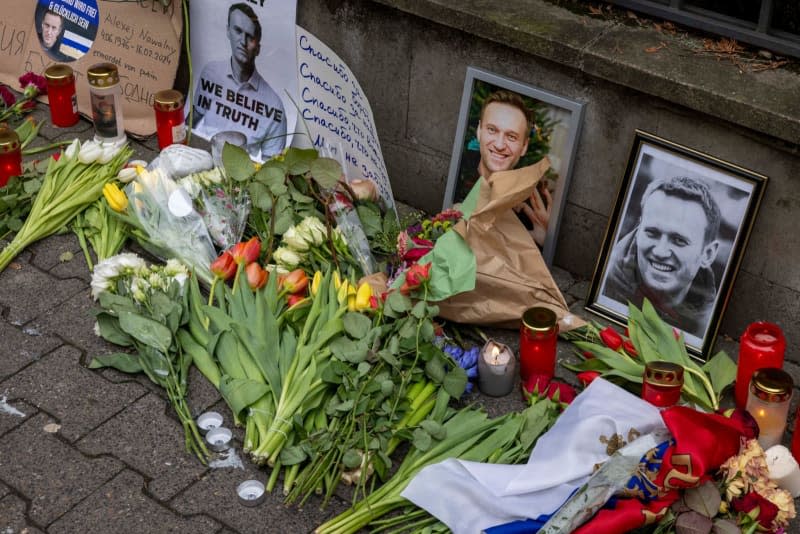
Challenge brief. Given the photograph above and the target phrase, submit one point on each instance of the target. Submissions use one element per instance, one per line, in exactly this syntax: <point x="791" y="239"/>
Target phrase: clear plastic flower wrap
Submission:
<point x="167" y="224"/>
<point x="349" y="225"/>
<point x="224" y="209"/>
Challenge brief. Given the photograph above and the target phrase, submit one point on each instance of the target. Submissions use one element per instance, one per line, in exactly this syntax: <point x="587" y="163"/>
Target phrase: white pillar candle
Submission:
<point x="783" y="469"/>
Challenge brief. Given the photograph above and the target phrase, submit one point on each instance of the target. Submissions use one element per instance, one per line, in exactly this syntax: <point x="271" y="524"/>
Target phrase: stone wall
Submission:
<point x="411" y="57"/>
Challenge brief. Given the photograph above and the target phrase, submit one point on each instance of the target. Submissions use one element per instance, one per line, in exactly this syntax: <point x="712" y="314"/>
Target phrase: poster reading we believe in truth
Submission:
<point x="244" y="71"/>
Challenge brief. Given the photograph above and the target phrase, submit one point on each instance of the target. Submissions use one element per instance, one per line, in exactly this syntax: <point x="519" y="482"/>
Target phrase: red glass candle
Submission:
<point x="61" y="94"/>
<point x="538" y="343"/>
<point x="169" y="118"/>
<point x="662" y="383"/>
<point x="10" y="155"/>
<point x="762" y="345"/>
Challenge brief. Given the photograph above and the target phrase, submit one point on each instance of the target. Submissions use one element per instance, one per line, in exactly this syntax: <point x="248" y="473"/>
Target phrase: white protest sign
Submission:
<point x="337" y="115"/>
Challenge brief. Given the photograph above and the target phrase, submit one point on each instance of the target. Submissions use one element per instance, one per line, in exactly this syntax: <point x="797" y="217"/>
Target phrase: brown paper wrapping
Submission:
<point x="511" y="273"/>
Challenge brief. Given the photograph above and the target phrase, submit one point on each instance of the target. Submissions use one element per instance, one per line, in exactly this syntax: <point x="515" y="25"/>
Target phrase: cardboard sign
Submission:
<point x="140" y="37"/>
<point x="337" y="115"/>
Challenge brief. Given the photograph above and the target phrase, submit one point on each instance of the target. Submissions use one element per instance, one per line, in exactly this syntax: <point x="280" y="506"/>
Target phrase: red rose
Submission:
<point x="8" y="97"/>
<point x="757" y="507"/>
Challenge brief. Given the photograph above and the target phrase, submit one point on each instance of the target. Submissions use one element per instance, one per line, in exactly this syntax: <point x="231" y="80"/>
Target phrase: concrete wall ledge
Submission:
<point x="766" y="101"/>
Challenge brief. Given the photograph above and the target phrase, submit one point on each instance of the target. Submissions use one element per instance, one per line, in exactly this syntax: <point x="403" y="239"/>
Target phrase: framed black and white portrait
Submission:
<point x="676" y="237"/>
<point x="505" y="124"/>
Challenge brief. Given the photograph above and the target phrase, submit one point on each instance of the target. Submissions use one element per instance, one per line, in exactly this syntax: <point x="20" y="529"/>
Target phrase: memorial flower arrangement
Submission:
<point x="14" y="109"/>
<point x="740" y="499"/>
<point x="649" y="338"/>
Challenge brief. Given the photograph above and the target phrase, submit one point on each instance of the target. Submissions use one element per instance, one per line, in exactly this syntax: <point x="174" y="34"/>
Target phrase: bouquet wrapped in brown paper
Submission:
<point x="510" y="273"/>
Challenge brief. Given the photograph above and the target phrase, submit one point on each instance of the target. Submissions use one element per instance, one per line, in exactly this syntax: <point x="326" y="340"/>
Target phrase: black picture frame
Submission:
<point x="661" y="244"/>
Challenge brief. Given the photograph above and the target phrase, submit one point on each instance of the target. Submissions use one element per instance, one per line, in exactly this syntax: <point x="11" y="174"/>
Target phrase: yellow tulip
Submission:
<point x="363" y="295"/>
<point x="341" y="295"/>
<point x="315" y="282"/>
<point x="116" y="198"/>
<point x="351" y="297"/>
<point x="337" y="280"/>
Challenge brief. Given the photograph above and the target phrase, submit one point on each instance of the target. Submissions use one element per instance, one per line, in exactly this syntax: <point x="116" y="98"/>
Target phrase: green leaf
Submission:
<point x="389" y="358"/>
<point x="271" y="174"/>
<point x="32" y="187"/>
<point x="260" y="196"/>
<point x="693" y="523"/>
<point x="298" y="160"/>
<point x="387" y="386"/>
<point x="127" y="363"/>
<point x="436" y="430"/>
<point x="14" y="224"/>
<point x="704" y="499"/>
<point x="357" y="325"/>
<point x="422" y="440"/>
<point x="370" y="217"/>
<point x="455" y="382"/>
<point x="613" y="359"/>
<point x="721" y="371"/>
<point x="293" y="455"/>
<point x="284" y="215"/>
<point x="348" y="350"/>
<point x="398" y="302"/>
<point x="351" y="459"/>
<point x="115" y="303"/>
<point x="435" y="371"/>
<point x="111" y="331"/>
<point x="237" y="162"/>
<point x="240" y="393"/>
<point x="419" y="310"/>
<point x="146" y="331"/>
<point x="326" y="171"/>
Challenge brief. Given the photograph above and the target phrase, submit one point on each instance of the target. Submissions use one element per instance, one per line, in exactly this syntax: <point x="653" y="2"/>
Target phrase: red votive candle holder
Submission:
<point x="10" y="155"/>
<point x="538" y="343"/>
<point x="762" y="345"/>
<point x="662" y="383"/>
<point x="61" y="95"/>
<point x="170" y="123"/>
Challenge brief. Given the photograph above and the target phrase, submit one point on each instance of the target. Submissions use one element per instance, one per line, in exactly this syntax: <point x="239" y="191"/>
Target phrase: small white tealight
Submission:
<point x="783" y="469"/>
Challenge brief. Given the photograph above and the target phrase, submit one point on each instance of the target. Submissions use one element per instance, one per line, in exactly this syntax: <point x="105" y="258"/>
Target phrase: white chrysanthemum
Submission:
<point x="128" y="260"/>
<point x="286" y="257"/>
<point x="181" y="278"/>
<point x="296" y="241"/>
<point x="103" y="276"/>
<point x="175" y="267"/>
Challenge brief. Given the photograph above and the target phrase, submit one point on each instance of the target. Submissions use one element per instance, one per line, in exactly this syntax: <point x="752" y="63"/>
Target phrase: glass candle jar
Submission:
<point x="768" y="402"/>
<point x="662" y="383"/>
<point x="796" y="436"/>
<point x="10" y="155"/>
<point x="106" y="98"/>
<point x="497" y="369"/>
<point x="61" y="95"/>
<point x="538" y="342"/>
<point x="762" y="345"/>
<point x="170" y="123"/>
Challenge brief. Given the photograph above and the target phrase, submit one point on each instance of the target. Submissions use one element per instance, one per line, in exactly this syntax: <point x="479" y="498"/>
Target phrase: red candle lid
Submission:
<point x="663" y="373"/>
<point x="59" y="74"/>
<point x="168" y="100"/>
<point x="539" y="319"/>
<point x="9" y="140"/>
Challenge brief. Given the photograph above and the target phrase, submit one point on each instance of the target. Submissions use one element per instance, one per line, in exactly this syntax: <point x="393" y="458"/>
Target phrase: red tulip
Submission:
<point x="374" y="303"/>
<point x="611" y="338"/>
<point x="629" y="348"/>
<point x="256" y="276"/>
<point x="224" y="267"/>
<point x="544" y="387"/>
<point x="589" y="355"/>
<point x="246" y="252"/>
<point x="586" y="377"/>
<point x="294" y="300"/>
<point x="295" y="281"/>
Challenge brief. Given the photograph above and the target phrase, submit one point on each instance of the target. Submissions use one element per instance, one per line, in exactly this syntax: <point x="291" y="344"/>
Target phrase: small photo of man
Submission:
<point x="51" y="32"/>
<point x="66" y="29"/>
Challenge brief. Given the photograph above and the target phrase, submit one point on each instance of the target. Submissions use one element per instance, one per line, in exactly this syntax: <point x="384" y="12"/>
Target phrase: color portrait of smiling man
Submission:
<point x="667" y="258"/>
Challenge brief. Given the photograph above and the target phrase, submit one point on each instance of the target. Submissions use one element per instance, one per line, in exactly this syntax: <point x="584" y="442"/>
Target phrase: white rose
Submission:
<point x="296" y="241"/>
<point x="286" y="257"/>
<point x="313" y="230"/>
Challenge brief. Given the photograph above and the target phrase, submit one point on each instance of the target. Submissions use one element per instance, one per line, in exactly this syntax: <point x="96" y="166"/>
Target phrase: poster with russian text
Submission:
<point x="141" y="38"/>
<point x="335" y="116"/>
<point x="244" y="71"/>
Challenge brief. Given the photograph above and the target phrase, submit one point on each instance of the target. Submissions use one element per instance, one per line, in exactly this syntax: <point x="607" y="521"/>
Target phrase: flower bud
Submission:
<point x="363" y="296"/>
<point x="116" y="198"/>
<point x="286" y="257"/>
<point x="224" y="267"/>
<point x="126" y="175"/>
<point x="246" y="252"/>
<point x="611" y="338"/>
<point x="72" y="150"/>
<point x="364" y="190"/>
<point x="312" y="230"/>
<point x="295" y="282"/>
<point x="256" y="276"/>
<point x="90" y="152"/>
<point x="295" y="240"/>
<point x="315" y="282"/>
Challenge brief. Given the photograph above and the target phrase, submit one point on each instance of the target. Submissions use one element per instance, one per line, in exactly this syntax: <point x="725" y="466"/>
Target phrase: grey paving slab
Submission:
<point x="61" y="256"/>
<point x="77" y="396"/>
<point x="29" y="292"/>
<point x="12" y="516"/>
<point x="215" y="495"/>
<point x="73" y="321"/>
<point x="145" y="438"/>
<point x="202" y="393"/>
<point x="4" y="490"/>
<point x="21" y="346"/>
<point x="13" y="413"/>
<point x="48" y="472"/>
<point x="121" y="505"/>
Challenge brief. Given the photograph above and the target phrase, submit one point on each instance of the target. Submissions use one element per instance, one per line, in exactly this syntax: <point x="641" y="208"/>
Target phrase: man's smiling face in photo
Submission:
<point x="503" y="138"/>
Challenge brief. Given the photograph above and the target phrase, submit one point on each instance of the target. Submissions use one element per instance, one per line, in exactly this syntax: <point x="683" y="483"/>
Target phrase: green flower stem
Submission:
<point x="706" y="384"/>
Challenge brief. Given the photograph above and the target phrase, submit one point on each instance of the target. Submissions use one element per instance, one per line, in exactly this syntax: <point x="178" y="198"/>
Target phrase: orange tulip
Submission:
<point x="246" y="252"/>
<point x="294" y="300"/>
<point x="295" y="281"/>
<point x="224" y="267"/>
<point x="256" y="276"/>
